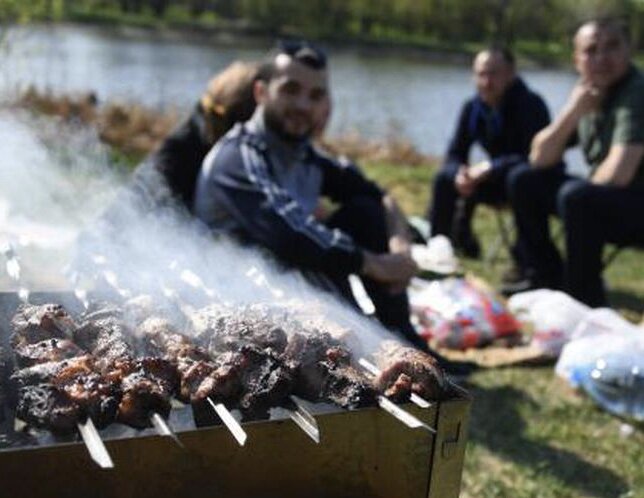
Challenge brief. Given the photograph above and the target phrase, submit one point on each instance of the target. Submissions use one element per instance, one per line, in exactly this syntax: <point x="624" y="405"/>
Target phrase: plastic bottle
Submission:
<point x="616" y="383"/>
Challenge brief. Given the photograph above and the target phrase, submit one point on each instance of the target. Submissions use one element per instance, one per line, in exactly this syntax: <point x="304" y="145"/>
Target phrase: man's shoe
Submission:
<point x="530" y="282"/>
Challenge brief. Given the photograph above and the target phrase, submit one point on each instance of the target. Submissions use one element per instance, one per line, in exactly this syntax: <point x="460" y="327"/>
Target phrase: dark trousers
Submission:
<point x="592" y="215"/>
<point x="453" y="219"/>
<point x="364" y="219"/>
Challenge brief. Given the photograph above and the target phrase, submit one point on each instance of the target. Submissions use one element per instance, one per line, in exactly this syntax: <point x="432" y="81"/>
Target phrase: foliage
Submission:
<point x="450" y="21"/>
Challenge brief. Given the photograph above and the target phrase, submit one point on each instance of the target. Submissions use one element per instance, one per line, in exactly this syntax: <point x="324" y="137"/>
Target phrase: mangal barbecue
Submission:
<point x="148" y="377"/>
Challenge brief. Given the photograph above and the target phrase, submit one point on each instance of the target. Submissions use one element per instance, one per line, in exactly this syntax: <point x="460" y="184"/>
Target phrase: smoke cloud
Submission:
<point x="76" y="221"/>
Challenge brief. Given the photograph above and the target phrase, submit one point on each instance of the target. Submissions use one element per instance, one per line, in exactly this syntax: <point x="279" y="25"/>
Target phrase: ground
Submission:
<point x="530" y="434"/>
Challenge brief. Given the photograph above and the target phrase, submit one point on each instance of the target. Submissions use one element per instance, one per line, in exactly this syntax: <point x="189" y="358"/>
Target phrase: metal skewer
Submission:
<point x="402" y="415"/>
<point x="13" y="269"/>
<point x="94" y="444"/>
<point x="229" y="421"/>
<point x="163" y="429"/>
<point x="375" y="371"/>
<point x="304" y="419"/>
<point x="158" y="422"/>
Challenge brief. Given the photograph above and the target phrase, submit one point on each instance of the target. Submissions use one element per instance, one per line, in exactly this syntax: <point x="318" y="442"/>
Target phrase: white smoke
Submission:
<point x="71" y="223"/>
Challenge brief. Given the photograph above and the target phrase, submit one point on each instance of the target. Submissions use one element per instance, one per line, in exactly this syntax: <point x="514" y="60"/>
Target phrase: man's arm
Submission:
<point x="620" y="165"/>
<point x="549" y="145"/>
<point x="458" y="150"/>
<point x="235" y="181"/>
<point x="397" y="228"/>
<point x="341" y="182"/>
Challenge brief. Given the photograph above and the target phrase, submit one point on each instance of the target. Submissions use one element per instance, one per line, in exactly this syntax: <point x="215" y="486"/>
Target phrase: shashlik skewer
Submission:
<point x="202" y="382"/>
<point x="65" y="393"/>
<point x="157" y="421"/>
<point x="322" y="365"/>
<point x="147" y="383"/>
<point x="375" y="371"/>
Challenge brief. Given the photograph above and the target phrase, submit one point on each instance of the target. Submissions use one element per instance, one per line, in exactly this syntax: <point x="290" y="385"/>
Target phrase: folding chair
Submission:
<point x="503" y="240"/>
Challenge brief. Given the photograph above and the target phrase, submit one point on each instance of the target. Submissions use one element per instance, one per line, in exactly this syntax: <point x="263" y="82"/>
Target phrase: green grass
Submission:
<point x="530" y="435"/>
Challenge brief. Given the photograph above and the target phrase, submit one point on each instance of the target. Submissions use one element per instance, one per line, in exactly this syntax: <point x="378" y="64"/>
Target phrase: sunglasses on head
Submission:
<point x="303" y="51"/>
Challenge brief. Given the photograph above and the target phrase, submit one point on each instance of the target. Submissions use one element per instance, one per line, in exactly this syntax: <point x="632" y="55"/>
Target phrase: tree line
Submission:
<point x="445" y="21"/>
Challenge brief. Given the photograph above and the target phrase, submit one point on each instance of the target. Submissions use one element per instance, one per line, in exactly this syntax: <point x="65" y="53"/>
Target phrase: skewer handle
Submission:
<point x="163" y="429"/>
<point x="305" y="420"/>
<point x="94" y="444"/>
<point x="229" y="421"/>
<point x="402" y="415"/>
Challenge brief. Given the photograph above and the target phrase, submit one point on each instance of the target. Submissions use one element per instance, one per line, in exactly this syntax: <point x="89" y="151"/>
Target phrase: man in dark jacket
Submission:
<point x="262" y="181"/>
<point x="502" y="118"/>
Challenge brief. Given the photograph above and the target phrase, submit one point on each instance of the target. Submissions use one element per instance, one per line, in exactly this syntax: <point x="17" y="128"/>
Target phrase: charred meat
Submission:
<point x="226" y="329"/>
<point x="58" y="395"/>
<point x="250" y="377"/>
<point x="325" y="373"/>
<point x="147" y="384"/>
<point x="406" y="370"/>
<point x="47" y="350"/>
<point x="34" y="323"/>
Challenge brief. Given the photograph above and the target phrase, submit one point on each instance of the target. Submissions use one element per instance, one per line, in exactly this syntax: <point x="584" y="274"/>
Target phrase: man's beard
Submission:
<point x="274" y="123"/>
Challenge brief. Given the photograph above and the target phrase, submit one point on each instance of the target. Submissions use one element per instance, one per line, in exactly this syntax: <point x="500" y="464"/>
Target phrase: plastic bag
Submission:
<point x="458" y="314"/>
<point x="608" y="365"/>
<point x="554" y="315"/>
<point x="437" y="256"/>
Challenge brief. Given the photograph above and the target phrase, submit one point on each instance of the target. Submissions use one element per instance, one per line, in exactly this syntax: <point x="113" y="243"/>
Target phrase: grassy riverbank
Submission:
<point x="178" y="22"/>
<point x="530" y="435"/>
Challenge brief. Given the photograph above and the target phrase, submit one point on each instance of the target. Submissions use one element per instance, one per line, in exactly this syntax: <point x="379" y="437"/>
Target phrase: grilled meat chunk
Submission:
<point x="147" y="383"/>
<point x="47" y="350"/>
<point x="147" y="387"/>
<point x="34" y="323"/>
<point x="251" y="378"/>
<point x="324" y="372"/>
<point x="106" y="339"/>
<point x="71" y="388"/>
<point x="46" y="407"/>
<point x="406" y="370"/>
<point x="227" y="329"/>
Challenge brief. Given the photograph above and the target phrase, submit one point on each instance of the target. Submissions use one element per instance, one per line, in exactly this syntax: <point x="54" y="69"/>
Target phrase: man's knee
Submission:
<point x="363" y="218"/>
<point x="573" y="198"/>
<point x="521" y="180"/>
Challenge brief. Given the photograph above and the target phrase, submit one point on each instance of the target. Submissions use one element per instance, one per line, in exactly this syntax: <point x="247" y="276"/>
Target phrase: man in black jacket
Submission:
<point x="261" y="184"/>
<point x="502" y="118"/>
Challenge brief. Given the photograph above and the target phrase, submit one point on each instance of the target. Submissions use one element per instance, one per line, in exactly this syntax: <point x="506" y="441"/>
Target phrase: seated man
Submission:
<point x="502" y="117"/>
<point x="605" y="115"/>
<point x="262" y="181"/>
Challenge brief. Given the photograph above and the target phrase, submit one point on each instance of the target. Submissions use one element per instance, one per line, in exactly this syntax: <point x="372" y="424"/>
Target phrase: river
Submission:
<point x="376" y="95"/>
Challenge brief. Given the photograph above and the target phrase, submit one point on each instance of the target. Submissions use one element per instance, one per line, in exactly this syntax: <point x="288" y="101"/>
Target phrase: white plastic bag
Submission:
<point x="436" y="256"/>
<point x="554" y="316"/>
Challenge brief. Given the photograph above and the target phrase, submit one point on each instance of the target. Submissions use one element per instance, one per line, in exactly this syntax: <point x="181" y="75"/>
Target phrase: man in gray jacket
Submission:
<point x="262" y="182"/>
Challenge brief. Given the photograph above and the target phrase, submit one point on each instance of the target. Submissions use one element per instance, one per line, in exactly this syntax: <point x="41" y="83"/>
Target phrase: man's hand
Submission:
<point x="464" y="183"/>
<point x="584" y="98"/>
<point x="399" y="244"/>
<point x="394" y="270"/>
<point x="480" y="171"/>
<point x="469" y="177"/>
<point x="549" y="145"/>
